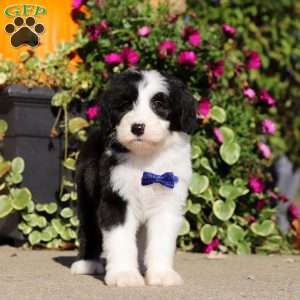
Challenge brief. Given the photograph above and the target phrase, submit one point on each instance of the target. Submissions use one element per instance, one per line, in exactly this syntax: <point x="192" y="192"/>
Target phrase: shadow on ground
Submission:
<point x="67" y="261"/>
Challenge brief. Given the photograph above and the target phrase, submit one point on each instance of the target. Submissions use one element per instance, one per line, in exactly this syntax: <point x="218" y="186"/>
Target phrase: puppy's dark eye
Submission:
<point x="159" y="100"/>
<point x="160" y="104"/>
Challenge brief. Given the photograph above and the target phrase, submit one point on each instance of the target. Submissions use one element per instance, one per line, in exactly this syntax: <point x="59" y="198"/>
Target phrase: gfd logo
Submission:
<point x="25" y="30"/>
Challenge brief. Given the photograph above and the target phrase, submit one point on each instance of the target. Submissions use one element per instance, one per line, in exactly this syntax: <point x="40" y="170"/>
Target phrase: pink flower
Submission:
<point x="130" y="56"/>
<point x="217" y="68"/>
<point x="187" y="58"/>
<point x="92" y="112"/>
<point x="113" y="58"/>
<point x="253" y="60"/>
<point x="265" y="97"/>
<point x="260" y="204"/>
<point x="173" y="18"/>
<point x="283" y="198"/>
<point x="166" y="48"/>
<point x="192" y="35"/>
<point x="144" y="31"/>
<point x="250" y="219"/>
<point x="211" y="246"/>
<point x="249" y="93"/>
<point x="218" y="135"/>
<point x="77" y="3"/>
<point x="268" y="126"/>
<point x="204" y="107"/>
<point x="96" y="30"/>
<point x="229" y="30"/>
<point x="264" y="150"/>
<point x="294" y="211"/>
<point x="256" y="184"/>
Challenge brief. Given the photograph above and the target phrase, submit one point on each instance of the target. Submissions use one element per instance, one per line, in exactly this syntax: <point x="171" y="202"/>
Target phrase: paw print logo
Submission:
<point x="27" y="33"/>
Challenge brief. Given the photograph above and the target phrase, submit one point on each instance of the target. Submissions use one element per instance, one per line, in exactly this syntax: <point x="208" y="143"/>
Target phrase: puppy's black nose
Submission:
<point x="138" y="129"/>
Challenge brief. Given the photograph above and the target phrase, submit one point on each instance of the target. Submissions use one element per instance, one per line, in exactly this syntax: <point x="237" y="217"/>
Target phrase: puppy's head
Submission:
<point x="143" y="109"/>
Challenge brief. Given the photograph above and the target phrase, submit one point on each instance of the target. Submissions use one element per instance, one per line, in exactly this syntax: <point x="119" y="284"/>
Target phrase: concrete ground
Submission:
<point x="45" y="275"/>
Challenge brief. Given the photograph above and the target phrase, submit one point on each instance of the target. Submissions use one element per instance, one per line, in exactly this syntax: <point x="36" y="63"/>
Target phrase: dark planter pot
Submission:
<point x="29" y="117"/>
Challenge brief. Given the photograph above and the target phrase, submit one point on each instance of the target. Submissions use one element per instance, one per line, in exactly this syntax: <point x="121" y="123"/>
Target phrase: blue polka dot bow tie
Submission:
<point x="167" y="179"/>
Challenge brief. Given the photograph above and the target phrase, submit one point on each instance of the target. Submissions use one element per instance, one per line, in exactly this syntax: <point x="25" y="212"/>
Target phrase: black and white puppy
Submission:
<point x="135" y="171"/>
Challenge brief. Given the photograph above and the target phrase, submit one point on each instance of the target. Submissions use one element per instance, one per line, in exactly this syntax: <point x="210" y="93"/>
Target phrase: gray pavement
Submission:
<point x="45" y="275"/>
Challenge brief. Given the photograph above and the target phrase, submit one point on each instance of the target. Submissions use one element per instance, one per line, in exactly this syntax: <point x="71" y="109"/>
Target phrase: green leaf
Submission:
<point x="207" y="195"/>
<point x="74" y="221"/>
<point x="24" y="228"/>
<point x="41" y="222"/>
<point x="18" y="165"/>
<point x="207" y="233"/>
<point x="2" y="186"/>
<point x="263" y="229"/>
<point x="185" y="227"/>
<point x="223" y="210"/>
<point x="77" y="124"/>
<point x="67" y="183"/>
<point x="196" y="151"/>
<point x="195" y="208"/>
<point x="65" y="197"/>
<point x="30" y="207"/>
<point x="73" y="196"/>
<point x="34" y="237"/>
<point x="228" y="134"/>
<point x="32" y="219"/>
<point x="69" y="164"/>
<point x="68" y="234"/>
<point x="230" y="152"/>
<point x="239" y="182"/>
<point x="5" y="206"/>
<point x="40" y="207"/>
<point x="3" y="127"/>
<point x="204" y="162"/>
<point x="20" y="198"/>
<point x="57" y="225"/>
<point x="15" y="178"/>
<point x="61" y="99"/>
<point x="199" y="183"/>
<point x="235" y="233"/>
<point x="243" y="248"/>
<point x="67" y="212"/>
<point x="218" y="114"/>
<point x="54" y="244"/>
<point x="228" y="191"/>
<point x="46" y="236"/>
<point x="51" y="208"/>
<point x="51" y="231"/>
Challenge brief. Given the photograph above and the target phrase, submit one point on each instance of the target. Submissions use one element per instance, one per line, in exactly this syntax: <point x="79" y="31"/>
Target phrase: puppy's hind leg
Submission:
<point x="89" y="252"/>
<point x="90" y="237"/>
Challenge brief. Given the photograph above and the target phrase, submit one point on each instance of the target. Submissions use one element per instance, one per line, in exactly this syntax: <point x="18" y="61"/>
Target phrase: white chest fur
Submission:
<point x="144" y="201"/>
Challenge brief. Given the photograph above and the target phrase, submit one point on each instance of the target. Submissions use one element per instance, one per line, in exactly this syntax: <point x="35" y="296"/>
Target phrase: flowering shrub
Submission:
<point x="231" y="205"/>
<point x="271" y="33"/>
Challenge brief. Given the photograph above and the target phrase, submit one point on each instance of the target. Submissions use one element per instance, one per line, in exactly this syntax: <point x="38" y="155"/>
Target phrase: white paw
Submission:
<point x="123" y="279"/>
<point x="87" y="267"/>
<point x="163" y="278"/>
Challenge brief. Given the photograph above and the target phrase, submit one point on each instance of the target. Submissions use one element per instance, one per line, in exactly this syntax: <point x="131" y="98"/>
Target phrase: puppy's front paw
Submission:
<point x="124" y="279"/>
<point x="163" y="278"/>
<point x="83" y="267"/>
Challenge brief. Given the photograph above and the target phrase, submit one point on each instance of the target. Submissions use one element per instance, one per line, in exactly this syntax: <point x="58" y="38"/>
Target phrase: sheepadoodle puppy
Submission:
<point x="135" y="172"/>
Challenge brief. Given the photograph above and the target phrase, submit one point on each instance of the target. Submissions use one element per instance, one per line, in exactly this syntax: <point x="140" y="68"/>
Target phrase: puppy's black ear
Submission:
<point x="105" y="108"/>
<point x="183" y="106"/>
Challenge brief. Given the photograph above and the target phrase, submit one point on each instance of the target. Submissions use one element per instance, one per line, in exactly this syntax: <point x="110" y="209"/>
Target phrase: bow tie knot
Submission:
<point x="167" y="179"/>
